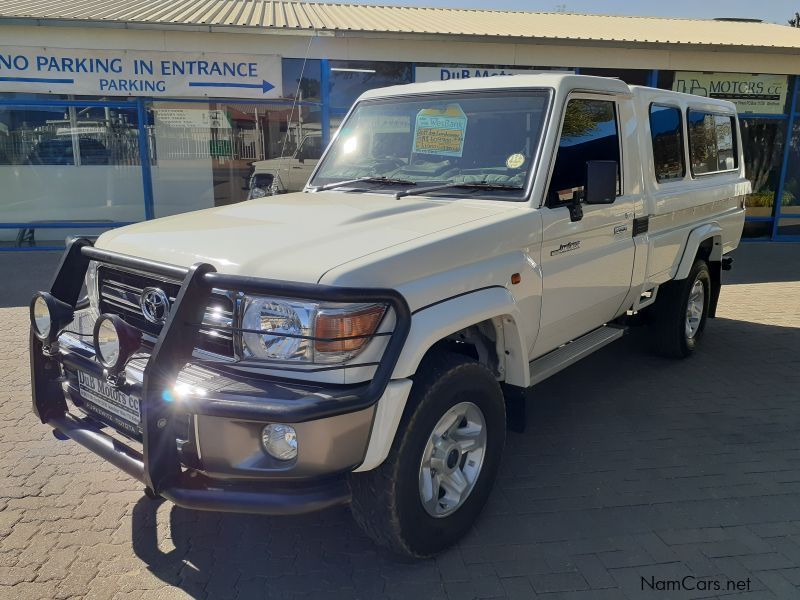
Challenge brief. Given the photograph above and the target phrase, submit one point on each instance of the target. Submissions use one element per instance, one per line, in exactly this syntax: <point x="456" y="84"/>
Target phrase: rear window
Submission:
<point x="712" y="142"/>
<point x="666" y="131"/>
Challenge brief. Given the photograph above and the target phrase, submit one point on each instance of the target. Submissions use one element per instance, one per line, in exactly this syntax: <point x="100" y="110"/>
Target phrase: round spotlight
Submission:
<point x="279" y="441"/>
<point x="49" y="316"/>
<point x="115" y="342"/>
<point x="40" y="318"/>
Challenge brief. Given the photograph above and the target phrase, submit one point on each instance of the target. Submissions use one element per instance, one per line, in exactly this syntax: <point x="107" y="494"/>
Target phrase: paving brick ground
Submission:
<point x="633" y="468"/>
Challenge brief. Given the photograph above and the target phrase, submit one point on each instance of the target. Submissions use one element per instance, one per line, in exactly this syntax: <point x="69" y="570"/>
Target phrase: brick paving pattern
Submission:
<point x="632" y="468"/>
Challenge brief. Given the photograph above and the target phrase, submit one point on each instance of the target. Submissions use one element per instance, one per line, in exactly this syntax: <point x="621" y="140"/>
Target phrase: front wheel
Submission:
<point x="442" y="464"/>
<point x="681" y="311"/>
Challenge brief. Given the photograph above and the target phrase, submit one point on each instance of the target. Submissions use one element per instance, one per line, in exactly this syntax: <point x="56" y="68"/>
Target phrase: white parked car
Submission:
<point x="364" y="340"/>
<point x="288" y="173"/>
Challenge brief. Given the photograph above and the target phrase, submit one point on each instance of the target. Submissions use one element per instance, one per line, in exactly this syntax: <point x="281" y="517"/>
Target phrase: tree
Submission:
<point x="795" y="21"/>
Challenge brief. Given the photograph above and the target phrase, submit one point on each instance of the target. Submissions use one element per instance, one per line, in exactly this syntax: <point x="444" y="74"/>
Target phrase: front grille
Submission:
<point x="121" y="289"/>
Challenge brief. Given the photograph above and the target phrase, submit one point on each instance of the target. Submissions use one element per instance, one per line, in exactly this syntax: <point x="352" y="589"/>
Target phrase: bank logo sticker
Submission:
<point x="515" y="161"/>
<point x="440" y="131"/>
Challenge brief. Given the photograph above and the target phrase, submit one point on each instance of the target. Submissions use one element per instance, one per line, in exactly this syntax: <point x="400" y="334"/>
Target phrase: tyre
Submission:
<point x="681" y="311"/>
<point x="442" y="464"/>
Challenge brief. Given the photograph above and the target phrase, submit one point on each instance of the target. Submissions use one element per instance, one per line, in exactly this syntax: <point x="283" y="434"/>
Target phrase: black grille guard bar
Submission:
<point x="160" y="468"/>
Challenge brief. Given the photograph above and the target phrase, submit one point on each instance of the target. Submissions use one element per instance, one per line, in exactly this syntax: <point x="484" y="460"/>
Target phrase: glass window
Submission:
<point x="349" y="79"/>
<point x="762" y="145"/>
<point x="219" y="153"/>
<point x="712" y="144"/>
<point x="68" y="164"/>
<point x="303" y="81"/>
<point x="589" y="132"/>
<point x="629" y="76"/>
<point x="789" y="227"/>
<point x="757" y="229"/>
<point x="460" y="139"/>
<point x="791" y="188"/>
<point x="666" y="131"/>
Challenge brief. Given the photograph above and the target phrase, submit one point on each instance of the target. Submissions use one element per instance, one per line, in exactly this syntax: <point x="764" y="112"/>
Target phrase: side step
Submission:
<point x="571" y="352"/>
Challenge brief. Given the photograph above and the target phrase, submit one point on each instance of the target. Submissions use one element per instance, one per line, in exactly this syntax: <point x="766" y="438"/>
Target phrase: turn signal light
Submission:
<point x="349" y="325"/>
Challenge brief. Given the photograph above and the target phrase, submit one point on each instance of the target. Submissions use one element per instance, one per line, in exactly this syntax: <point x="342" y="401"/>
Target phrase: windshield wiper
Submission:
<point x="370" y="179"/>
<point x="479" y="185"/>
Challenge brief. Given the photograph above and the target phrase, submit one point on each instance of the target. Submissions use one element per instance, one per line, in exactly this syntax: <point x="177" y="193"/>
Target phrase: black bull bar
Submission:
<point x="158" y="466"/>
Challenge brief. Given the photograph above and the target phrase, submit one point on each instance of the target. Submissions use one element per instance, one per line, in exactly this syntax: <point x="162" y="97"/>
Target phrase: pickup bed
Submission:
<point x="367" y="340"/>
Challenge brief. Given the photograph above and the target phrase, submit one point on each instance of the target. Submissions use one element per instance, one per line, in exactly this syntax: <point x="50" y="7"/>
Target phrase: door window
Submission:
<point x="666" y="133"/>
<point x="590" y="132"/>
<point x="712" y="142"/>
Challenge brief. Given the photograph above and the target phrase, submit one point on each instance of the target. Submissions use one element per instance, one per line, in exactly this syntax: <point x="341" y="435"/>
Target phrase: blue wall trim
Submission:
<point x="787" y="146"/>
<point x="144" y="158"/>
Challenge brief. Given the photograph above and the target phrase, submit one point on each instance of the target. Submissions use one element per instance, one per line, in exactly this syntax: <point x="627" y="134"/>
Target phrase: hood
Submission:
<point x="294" y="237"/>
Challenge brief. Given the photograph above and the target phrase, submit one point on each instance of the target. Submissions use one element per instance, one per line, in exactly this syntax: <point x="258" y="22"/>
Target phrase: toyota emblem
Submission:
<point x="154" y="303"/>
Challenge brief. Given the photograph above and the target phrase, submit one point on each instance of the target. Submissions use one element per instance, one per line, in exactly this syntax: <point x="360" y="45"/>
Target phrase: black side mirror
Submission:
<point x="301" y="158"/>
<point x="601" y="182"/>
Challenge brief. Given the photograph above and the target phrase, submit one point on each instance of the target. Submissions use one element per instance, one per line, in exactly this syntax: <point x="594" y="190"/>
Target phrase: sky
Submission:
<point x="776" y="11"/>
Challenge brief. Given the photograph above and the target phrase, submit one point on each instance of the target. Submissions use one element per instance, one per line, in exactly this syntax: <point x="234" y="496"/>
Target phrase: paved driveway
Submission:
<point x="635" y="472"/>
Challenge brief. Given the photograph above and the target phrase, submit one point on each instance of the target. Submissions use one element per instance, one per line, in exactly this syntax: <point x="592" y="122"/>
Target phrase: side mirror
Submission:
<point x="601" y="182"/>
<point x="301" y="159"/>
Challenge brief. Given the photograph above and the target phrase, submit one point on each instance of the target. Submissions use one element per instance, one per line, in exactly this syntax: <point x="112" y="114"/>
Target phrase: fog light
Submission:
<point x="279" y="441"/>
<point x="115" y="342"/>
<point x="49" y="316"/>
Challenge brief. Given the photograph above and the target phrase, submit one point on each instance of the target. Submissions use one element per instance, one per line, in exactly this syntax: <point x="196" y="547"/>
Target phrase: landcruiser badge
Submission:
<point x="563" y="248"/>
<point x="154" y="303"/>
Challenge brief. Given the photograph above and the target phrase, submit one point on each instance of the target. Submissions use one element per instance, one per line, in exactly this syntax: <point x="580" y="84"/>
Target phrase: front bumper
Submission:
<point x="219" y="465"/>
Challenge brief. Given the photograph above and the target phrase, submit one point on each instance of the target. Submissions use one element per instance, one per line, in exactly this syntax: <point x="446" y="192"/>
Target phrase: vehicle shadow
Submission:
<point x="613" y="445"/>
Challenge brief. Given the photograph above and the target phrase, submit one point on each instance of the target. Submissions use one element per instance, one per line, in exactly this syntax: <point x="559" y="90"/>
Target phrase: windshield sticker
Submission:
<point x="515" y="161"/>
<point x="440" y="131"/>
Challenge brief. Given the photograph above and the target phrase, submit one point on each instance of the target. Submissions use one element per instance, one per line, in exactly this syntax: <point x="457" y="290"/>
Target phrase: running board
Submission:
<point x="571" y="352"/>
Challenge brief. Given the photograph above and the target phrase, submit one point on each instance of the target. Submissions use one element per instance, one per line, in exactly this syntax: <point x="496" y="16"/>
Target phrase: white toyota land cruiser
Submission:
<point x="364" y="340"/>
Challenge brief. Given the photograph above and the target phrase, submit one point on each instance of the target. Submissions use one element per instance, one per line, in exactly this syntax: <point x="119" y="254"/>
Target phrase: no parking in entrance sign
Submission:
<point x="138" y="73"/>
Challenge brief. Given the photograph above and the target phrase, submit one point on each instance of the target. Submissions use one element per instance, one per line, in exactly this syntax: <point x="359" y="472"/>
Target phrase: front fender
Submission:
<point x="696" y="237"/>
<point x="435" y="322"/>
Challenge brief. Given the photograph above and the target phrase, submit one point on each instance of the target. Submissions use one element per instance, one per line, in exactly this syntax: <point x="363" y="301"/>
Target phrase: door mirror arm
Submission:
<point x="574" y="206"/>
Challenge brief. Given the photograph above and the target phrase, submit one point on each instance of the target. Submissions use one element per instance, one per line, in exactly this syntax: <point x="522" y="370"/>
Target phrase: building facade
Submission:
<point x="127" y="110"/>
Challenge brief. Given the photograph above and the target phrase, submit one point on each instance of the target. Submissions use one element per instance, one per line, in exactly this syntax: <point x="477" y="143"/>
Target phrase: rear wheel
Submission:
<point x="681" y="311"/>
<point x="440" y="470"/>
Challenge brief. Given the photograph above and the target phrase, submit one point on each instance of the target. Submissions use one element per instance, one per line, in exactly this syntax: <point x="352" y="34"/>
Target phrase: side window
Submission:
<point x="666" y="130"/>
<point x="712" y="142"/>
<point x="590" y="132"/>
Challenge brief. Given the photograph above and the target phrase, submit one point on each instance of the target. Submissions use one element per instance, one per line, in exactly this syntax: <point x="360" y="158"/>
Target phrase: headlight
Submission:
<point x="256" y="192"/>
<point x="304" y="331"/>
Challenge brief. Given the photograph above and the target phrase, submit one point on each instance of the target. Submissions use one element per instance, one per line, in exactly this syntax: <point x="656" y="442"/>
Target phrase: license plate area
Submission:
<point x="110" y="403"/>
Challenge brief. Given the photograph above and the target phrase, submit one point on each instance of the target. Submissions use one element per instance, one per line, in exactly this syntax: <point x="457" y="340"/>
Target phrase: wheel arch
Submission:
<point x="484" y="323"/>
<point x="704" y="241"/>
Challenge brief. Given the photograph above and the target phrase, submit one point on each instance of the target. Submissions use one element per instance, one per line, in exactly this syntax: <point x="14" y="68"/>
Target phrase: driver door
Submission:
<point x="587" y="264"/>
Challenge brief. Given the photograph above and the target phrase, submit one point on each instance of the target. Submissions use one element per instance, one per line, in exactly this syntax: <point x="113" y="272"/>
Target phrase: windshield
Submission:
<point x="434" y="140"/>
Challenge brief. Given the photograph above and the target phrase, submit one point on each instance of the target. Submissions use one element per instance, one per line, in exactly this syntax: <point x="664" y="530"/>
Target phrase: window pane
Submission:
<point x="667" y="134"/>
<point x="789" y="227"/>
<point x="791" y="191"/>
<point x="702" y="142"/>
<point x="757" y="229"/>
<point x="349" y="79"/>
<point x="308" y="79"/>
<point x="762" y="143"/>
<point x="68" y="164"/>
<point x="726" y="148"/>
<point x="589" y="133"/>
